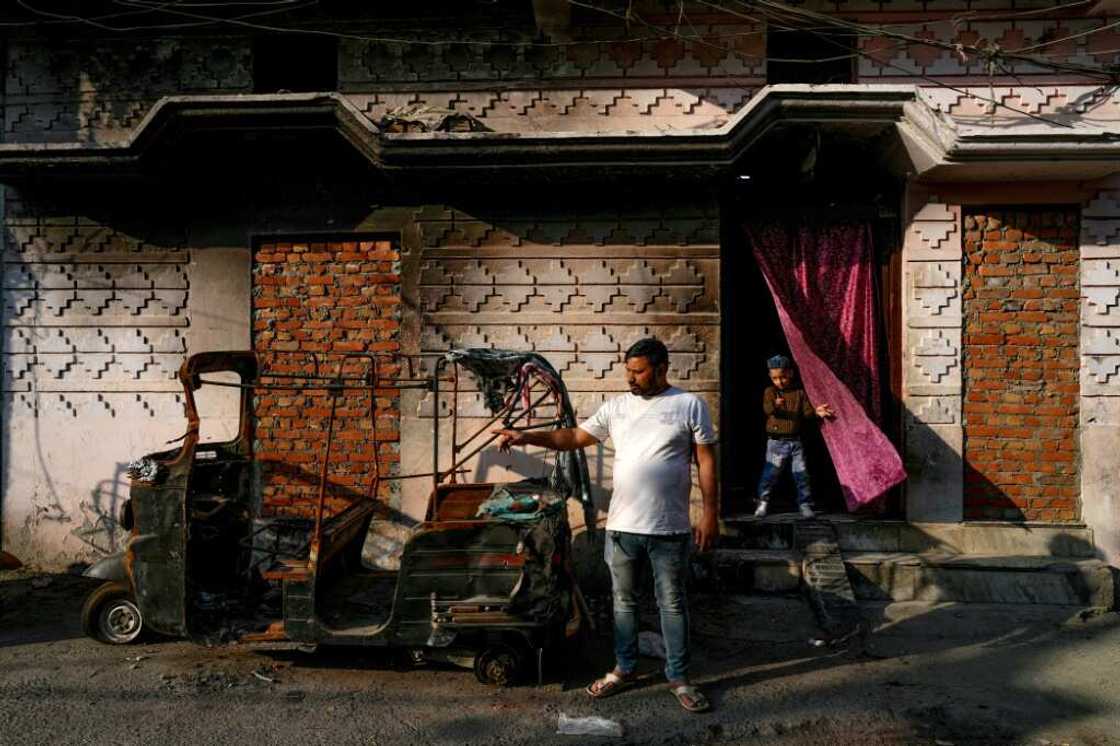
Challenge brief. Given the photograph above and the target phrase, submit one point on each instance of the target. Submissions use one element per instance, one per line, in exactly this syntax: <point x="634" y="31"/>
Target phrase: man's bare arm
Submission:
<point x="568" y="439"/>
<point x="706" y="534"/>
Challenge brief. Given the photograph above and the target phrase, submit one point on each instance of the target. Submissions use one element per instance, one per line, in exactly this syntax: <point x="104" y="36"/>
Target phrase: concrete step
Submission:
<point x="899" y="576"/>
<point x="988" y="538"/>
<point x="758" y="570"/>
<point x="932" y="577"/>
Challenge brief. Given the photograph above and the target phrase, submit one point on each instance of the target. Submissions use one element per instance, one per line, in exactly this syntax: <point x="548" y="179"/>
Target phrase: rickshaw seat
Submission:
<point x="338" y="533"/>
<point x="343" y="529"/>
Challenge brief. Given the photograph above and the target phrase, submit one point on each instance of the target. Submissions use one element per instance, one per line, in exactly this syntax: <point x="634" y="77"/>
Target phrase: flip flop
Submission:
<point x="691" y="698"/>
<point x="609" y="685"/>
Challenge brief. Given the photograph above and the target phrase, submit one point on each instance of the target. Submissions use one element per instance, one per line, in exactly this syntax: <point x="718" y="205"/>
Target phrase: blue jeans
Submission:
<point x="778" y="453"/>
<point x="668" y="557"/>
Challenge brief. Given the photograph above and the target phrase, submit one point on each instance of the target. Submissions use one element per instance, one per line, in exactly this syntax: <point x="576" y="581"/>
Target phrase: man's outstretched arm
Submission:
<point x="568" y="439"/>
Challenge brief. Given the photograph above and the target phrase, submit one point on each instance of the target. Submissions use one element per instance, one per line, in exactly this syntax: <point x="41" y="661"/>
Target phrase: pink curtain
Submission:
<point x="823" y="284"/>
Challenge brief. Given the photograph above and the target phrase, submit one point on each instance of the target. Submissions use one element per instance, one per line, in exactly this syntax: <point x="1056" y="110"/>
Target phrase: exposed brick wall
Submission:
<point x="324" y="298"/>
<point x="1021" y="364"/>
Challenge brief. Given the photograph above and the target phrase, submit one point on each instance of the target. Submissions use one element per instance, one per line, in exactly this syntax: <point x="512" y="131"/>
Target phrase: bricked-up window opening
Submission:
<point x="295" y="64"/>
<point x="327" y="298"/>
<point x="813" y="57"/>
<point x="1021" y="380"/>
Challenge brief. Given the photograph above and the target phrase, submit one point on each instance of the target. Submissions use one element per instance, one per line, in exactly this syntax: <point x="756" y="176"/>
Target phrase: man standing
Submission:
<point x="657" y="429"/>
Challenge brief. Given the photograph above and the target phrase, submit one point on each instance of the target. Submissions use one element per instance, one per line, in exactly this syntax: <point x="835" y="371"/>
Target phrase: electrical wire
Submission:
<point x="143" y="9"/>
<point x="773" y="11"/>
<point x="971" y="17"/>
<point x="942" y="84"/>
<point x="863" y="54"/>
<point x="428" y="42"/>
<point x="54" y="19"/>
<point x="704" y="41"/>
<point x="1018" y="13"/>
<point x="776" y="15"/>
<point x="1064" y="39"/>
<point x="141" y="6"/>
<point x="857" y="53"/>
<point x="987" y="53"/>
<point x="226" y="4"/>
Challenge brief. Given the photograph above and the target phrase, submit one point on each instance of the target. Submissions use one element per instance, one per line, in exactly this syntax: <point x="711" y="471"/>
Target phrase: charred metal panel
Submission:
<point x="157" y="551"/>
<point x="299" y="610"/>
<point x="484" y="573"/>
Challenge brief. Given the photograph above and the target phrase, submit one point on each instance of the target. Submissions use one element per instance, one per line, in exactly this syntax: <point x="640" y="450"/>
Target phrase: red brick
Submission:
<point x="1021" y="444"/>
<point x="340" y="297"/>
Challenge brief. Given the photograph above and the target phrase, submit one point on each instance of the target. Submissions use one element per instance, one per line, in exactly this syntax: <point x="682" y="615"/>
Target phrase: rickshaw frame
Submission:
<point x="479" y="547"/>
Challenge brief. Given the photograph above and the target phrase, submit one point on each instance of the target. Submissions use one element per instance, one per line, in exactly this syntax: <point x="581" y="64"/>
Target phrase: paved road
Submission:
<point x="929" y="675"/>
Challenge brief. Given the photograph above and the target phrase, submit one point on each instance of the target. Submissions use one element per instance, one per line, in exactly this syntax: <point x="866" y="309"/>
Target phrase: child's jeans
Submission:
<point x="778" y="453"/>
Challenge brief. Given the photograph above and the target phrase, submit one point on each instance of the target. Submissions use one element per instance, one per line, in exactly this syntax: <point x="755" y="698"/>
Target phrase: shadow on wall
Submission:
<point x="338" y="496"/>
<point x="935" y="469"/>
<point x="100" y="527"/>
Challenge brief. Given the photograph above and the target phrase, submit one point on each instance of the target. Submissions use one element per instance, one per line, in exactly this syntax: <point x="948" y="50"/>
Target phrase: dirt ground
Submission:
<point x="929" y="674"/>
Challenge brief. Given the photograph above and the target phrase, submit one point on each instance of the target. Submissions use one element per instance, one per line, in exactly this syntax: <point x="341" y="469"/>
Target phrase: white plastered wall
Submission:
<point x="96" y="321"/>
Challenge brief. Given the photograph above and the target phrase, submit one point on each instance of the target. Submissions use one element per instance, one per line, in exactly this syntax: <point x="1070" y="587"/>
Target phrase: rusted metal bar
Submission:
<point x="375" y="478"/>
<point x="435" y="424"/>
<point x="485" y="427"/>
<point x="537" y="426"/>
<point x="307" y="377"/>
<point x="505" y="411"/>
<point x="418" y="475"/>
<point x="323" y="474"/>
<point x="335" y="390"/>
<point x="268" y="387"/>
<point x="454" y="416"/>
<point x="493" y="436"/>
<point x="422" y="384"/>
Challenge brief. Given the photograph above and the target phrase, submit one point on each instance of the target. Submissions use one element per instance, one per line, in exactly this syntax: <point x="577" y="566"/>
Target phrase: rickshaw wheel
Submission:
<point x="499" y="665"/>
<point x="110" y="615"/>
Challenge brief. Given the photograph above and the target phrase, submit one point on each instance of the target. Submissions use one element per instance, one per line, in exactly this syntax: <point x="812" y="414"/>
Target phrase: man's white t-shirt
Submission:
<point x="653" y="439"/>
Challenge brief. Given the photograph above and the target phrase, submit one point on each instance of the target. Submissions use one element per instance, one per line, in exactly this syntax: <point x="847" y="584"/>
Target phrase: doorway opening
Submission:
<point x="802" y="176"/>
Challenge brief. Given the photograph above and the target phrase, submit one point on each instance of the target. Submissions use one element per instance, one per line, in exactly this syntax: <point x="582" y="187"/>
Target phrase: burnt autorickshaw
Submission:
<point x="484" y="580"/>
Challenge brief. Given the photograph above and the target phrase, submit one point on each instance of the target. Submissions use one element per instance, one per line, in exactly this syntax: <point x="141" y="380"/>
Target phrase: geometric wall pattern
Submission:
<point x="583" y="288"/>
<point x="1100" y="308"/>
<point x="96" y="91"/>
<point x="1079" y="41"/>
<point x="576" y="109"/>
<point x="453" y="229"/>
<point x="931" y="388"/>
<point x="559" y="285"/>
<point x="89" y="310"/>
<point x="733" y="49"/>
<point x="606" y="79"/>
<point x="94" y="323"/>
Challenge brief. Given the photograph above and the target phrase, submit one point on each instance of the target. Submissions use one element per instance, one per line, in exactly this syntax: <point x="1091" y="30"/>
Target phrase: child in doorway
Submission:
<point x="786" y="406"/>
